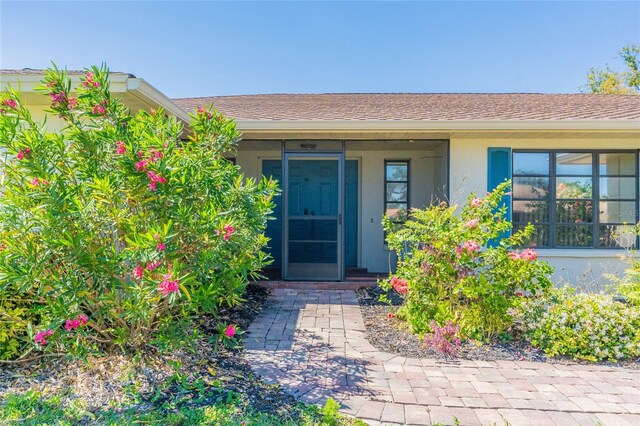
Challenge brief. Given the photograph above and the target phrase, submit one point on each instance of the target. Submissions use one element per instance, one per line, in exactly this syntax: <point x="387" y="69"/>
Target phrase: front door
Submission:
<point x="313" y="216"/>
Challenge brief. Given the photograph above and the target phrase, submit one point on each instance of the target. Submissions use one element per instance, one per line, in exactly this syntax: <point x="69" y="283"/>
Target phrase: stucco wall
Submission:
<point x="468" y="173"/>
<point x="427" y="181"/>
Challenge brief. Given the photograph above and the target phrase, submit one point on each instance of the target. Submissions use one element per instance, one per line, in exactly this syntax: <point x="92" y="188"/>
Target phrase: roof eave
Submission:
<point x="442" y="125"/>
<point x="152" y="96"/>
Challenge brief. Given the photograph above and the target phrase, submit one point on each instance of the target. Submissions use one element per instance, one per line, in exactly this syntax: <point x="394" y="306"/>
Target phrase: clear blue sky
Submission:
<point x="216" y="48"/>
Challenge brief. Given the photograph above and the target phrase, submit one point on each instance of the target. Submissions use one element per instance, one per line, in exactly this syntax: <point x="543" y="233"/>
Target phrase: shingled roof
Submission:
<point x="425" y="107"/>
<point x="34" y="71"/>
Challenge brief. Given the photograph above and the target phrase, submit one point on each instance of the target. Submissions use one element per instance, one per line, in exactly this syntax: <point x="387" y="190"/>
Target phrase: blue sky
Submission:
<point x="221" y="48"/>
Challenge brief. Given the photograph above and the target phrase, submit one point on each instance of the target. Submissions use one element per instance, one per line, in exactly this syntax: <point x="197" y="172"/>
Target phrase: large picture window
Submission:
<point x="576" y="198"/>
<point x="396" y="190"/>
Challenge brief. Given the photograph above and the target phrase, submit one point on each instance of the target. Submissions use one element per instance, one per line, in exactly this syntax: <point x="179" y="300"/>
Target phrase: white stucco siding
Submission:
<point x="468" y="173"/>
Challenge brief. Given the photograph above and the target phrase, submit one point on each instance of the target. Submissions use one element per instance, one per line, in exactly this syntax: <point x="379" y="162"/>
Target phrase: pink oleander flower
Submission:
<point x="20" y="155"/>
<point x="138" y="272"/>
<point x="168" y="286"/>
<point x="514" y="255"/>
<point x="529" y="254"/>
<point x="58" y="99"/>
<point x="155" y="155"/>
<point x="161" y="247"/>
<point x="458" y="251"/>
<point x="99" y="109"/>
<point x="155" y="179"/>
<point x="141" y="165"/>
<point x="476" y="202"/>
<point x="10" y="103"/>
<point x="471" y="246"/>
<point x="200" y="110"/>
<point x="120" y="148"/>
<point x="400" y="285"/>
<point x="152" y="265"/>
<point x="37" y="182"/>
<point x="140" y="154"/>
<point x="73" y="102"/>
<point x="83" y="319"/>
<point x="471" y="223"/>
<point x="89" y="81"/>
<point x="41" y="337"/>
<point x="71" y="324"/>
<point x="230" y="331"/>
<point x="228" y="231"/>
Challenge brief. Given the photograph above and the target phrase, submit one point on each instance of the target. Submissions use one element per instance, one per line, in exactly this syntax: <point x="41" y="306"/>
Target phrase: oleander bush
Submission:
<point x="583" y="326"/>
<point x="459" y="265"/>
<point x="118" y="228"/>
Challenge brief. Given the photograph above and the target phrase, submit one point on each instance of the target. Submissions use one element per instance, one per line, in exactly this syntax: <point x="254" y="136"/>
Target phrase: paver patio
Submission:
<point x="312" y="342"/>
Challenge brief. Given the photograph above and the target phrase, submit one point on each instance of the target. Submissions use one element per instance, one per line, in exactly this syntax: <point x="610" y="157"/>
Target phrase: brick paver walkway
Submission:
<point x="313" y="344"/>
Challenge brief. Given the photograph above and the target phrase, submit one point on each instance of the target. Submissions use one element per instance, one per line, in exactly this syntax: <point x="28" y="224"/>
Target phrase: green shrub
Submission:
<point x="629" y="285"/>
<point x="451" y="269"/>
<point x="582" y="326"/>
<point x="116" y="228"/>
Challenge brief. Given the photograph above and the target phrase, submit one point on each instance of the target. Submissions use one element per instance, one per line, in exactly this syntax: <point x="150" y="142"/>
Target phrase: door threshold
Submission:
<point x="317" y="285"/>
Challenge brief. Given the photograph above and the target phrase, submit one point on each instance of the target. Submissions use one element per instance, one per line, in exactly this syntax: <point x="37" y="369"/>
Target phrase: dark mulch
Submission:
<point x="393" y="335"/>
<point x="194" y="375"/>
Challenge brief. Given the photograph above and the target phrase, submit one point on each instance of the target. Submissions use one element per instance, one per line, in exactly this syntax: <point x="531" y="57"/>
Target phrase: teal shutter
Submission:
<point x="499" y="165"/>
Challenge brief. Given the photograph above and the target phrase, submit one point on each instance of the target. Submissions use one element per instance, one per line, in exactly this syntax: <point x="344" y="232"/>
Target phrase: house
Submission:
<point x="343" y="160"/>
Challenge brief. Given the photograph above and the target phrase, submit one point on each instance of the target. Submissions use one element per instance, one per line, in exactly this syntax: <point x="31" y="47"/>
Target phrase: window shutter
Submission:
<point x="499" y="165"/>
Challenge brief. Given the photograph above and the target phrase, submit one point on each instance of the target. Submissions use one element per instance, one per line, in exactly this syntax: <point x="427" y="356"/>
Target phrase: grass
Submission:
<point x="32" y="408"/>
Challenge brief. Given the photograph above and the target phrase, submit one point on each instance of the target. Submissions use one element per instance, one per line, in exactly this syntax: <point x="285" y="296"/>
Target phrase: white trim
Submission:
<point x="446" y="125"/>
<point x="582" y="253"/>
<point x="118" y="83"/>
<point x="146" y="92"/>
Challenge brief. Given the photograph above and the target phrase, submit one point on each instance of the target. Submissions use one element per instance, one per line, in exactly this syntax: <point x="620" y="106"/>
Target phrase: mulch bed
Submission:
<point x="107" y="381"/>
<point x="393" y="335"/>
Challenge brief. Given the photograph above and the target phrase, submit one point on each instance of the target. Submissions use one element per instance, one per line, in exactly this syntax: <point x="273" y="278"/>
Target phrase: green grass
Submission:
<point x="31" y="408"/>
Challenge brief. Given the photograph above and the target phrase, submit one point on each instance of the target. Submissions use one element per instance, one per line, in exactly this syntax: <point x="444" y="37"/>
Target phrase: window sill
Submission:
<point x="583" y="253"/>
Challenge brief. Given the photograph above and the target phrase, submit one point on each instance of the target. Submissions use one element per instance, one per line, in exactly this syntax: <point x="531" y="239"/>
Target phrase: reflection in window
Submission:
<point x="396" y="194"/>
<point x="576" y="199"/>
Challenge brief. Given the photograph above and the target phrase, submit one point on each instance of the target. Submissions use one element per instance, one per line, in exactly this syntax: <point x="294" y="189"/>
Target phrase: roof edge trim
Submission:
<point x="446" y="125"/>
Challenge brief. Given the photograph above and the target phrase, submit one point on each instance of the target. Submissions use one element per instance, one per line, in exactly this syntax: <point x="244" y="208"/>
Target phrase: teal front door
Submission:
<point x="313" y="218"/>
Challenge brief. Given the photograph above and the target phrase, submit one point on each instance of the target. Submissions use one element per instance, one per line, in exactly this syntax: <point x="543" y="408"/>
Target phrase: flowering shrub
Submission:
<point x="115" y="228"/>
<point x="582" y="326"/>
<point x="628" y="286"/>
<point x="445" y="340"/>
<point x="451" y="269"/>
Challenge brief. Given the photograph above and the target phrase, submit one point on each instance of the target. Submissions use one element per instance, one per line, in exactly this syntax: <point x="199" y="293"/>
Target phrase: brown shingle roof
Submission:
<point x="429" y="107"/>
<point x="33" y="71"/>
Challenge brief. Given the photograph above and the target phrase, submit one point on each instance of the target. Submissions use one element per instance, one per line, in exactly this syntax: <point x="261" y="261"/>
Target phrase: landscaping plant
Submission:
<point x="628" y="286"/>
<point x="119" y="227"/>
<point x="459" y="265"/>
<point x="583" y="326"/>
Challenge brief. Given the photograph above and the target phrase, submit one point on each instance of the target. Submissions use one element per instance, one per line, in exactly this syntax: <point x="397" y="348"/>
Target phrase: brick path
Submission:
<point x="313" y="344"/>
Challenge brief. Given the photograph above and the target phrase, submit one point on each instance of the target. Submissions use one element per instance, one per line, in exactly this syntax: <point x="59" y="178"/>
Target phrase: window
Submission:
<point x="396" y="190"/>
<point x="576" y="198"/>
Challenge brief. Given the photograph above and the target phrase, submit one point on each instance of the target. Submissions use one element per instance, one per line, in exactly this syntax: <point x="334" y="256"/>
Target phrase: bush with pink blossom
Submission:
<point x="120" y="226"/>
<point x="459" y="265"/>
